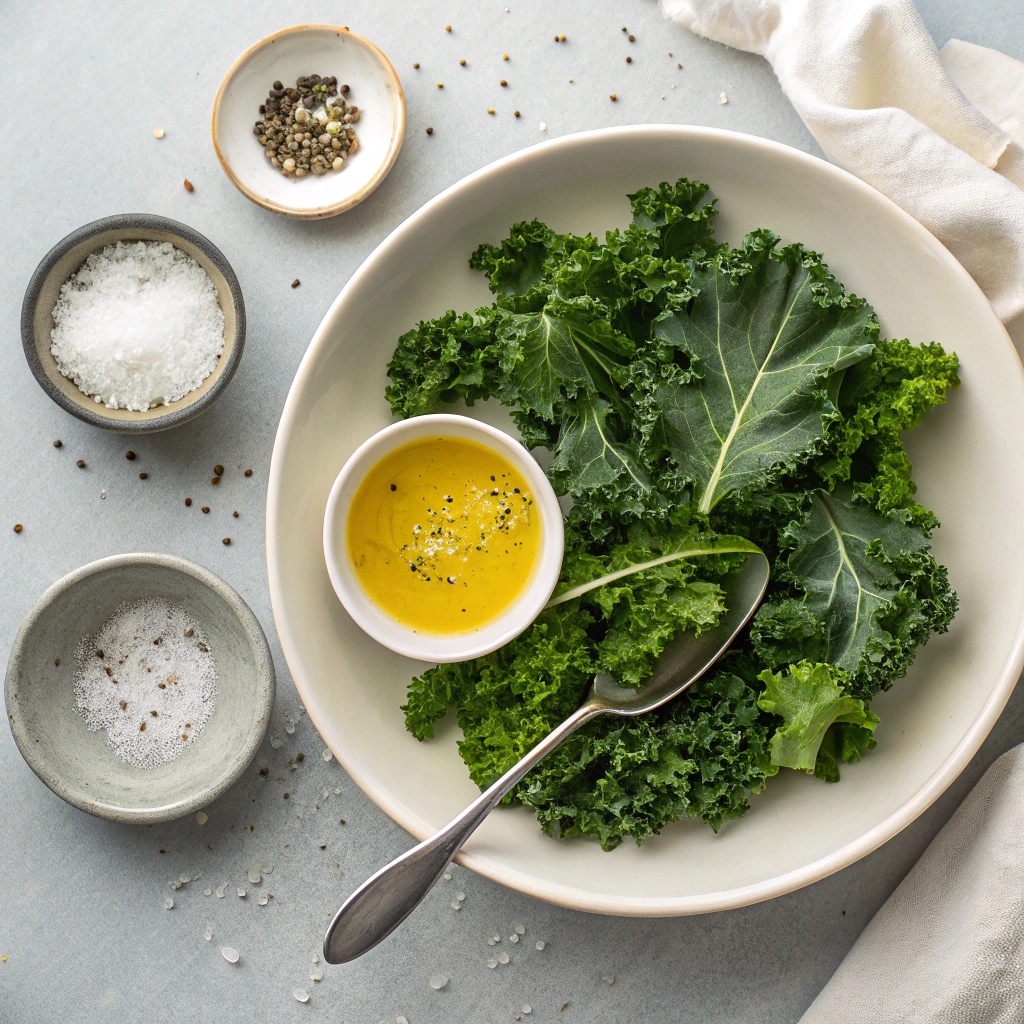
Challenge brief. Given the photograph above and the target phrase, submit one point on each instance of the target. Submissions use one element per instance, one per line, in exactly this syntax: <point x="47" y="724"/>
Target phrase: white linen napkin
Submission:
<point x="940" y="135"/>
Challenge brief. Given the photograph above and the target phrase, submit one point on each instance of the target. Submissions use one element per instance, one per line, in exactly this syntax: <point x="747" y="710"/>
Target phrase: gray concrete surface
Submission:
<point x="82" y="920"/>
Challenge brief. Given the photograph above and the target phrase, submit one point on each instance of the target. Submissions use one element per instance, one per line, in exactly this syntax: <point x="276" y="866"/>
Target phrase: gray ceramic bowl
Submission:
<point x="77" y="764"/>
<point x="66" y="257"/>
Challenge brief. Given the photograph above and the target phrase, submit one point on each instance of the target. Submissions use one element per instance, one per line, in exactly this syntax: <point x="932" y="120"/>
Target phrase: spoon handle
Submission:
<point x="387" y="898"/>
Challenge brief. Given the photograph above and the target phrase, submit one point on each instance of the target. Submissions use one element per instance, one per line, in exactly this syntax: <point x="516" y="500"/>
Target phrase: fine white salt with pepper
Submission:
<point x="148" y="677"/>
<point x="138" y="325"/>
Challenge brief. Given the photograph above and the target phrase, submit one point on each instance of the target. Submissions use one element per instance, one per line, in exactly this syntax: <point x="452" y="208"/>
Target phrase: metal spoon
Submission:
<point x="387" y="898"/>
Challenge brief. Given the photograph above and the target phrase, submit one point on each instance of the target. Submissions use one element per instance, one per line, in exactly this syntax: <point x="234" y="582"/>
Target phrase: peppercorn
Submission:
<point x="206" y="508"/>
<point x="447" y="28"/>
<point x="226" y="541"/>
<point x="129" y="456"/>
<point x="188" y="501"/>
<point x="462" y="62"/>
<point x="219" y="470"/>
<point x="632" y="39"/>
<point x="264" y="772"/>
<point x="490" y="110"/>
<point x="80" y="463"/>
<point x="56" y="661"/>
<point x="58" y="444"/>
<point x="143" y="476"/>
<point x="296" y="283"/>
<point x="248" y="472"/>
<point x="503" y="82"/>
<point x="18" y="527"/>
<point x="188" y="186"/>
<point x="235" y="514"/>
<point x="504" y="56"/>
<point x="215" y="480"/>
<point x="516" y="113"/>
<point x="629" y="60"/>
<point x="417" y="64"/>
<point x="613" y="97"/>
<point x="440" y="85"/>
<point x="430" y="131"/>
<point x="300" y="757"/>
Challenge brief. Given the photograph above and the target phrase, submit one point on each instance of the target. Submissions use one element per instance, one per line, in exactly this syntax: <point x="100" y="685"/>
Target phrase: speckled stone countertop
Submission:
<point x="82" y="918"/>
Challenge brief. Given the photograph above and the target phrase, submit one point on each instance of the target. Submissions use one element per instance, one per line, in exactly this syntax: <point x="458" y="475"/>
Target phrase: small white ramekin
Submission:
<point x="441" y="647"/>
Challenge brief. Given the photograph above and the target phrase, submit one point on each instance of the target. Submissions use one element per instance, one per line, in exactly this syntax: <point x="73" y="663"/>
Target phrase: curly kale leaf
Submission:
<point x="701" y="756"/>
<point x="809" y="698"/>
<point x="880" y="399"/>
<point x="767" y="330"/>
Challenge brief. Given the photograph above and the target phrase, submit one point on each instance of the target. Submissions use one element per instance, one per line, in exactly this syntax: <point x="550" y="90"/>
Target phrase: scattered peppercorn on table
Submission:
<point x="221" y="914"/>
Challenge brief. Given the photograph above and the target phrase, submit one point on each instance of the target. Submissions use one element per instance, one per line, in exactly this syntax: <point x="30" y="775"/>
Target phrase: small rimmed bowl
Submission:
<point x="66" y="257"/>
<point x="441" y="647"/>
<point x="285" y="56"/>
<point x="76" y="763"/>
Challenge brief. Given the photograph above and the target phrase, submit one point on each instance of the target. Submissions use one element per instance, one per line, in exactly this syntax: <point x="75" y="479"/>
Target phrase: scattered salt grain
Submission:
<point x="460" y="896"/>
<point x="202" y="817"/>
<point x="220" y="890"/>
<point x="266" y="867"/>
<point x="143" y="644"/>
<point x="254" y="875"/>
<point x="314" y="959"/>
<point x="520" y="929"/>
<point x="229" y="954"/>
<point x="185" y="879"/>
<point x="241" y="892"/>
<point x="492" y="964"/>
<point x="289" y="728"/>
<point x="540" y="945"/>
<point x="168" y="903"/>
<point x="326" y="754"/>
<point x="263" y="901"/>
<point x="103" y="494"/>
<point x="447" y="877"/>
<point x="275" y="743"/>
<point x="317" y="976"/>
<point x="527" y="1008"/>
<point x="401" y="1020"/>
<point x="513" y="938"/>
<point x="208" y="935"/>
<point x="497" y="938"/>
<point x="492" y="942"/>
<point x="608" y="979"/>
<point x="722" y="98"/>
<point x="543" y="127"/>
<point x="158" y="133"/>
<point x="207" y="892"/>
<point x="503" y="958"/>
<point x="438" y="982"/>
<point x="337" y="792"/>
<point x="301" y="995"/>
<point x="138" y="325"/>
<point x="455" y="905"/>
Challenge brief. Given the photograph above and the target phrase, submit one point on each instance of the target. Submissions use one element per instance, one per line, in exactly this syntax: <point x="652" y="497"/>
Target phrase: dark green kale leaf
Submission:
<point x="767" y="330"/>
<point x="872" y="594"/>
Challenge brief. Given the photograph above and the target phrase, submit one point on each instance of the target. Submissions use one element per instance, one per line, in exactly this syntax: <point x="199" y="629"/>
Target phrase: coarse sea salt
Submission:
<point x="148" y="677"/>
<point x="138" y="325"/>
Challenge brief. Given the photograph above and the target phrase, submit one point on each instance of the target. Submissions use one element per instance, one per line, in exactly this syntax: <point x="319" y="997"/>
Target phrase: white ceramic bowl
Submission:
<point x="284" y="56"/>
<point x="966" y="460"/>
<point x="370" y="616"/>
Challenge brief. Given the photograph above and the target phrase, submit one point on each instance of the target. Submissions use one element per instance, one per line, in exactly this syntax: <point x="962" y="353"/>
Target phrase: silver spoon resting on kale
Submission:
<point x="691" y="394"/>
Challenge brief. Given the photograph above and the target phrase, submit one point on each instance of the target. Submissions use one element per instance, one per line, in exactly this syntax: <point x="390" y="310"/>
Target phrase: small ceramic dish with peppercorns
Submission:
<point x="309" y="121"/>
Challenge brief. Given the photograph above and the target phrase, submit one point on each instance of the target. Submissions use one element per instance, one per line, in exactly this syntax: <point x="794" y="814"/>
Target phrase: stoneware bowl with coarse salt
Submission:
<point x="285" y="56"/>
<point x="66" y="257"/>
<point x="76" y="762"/>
